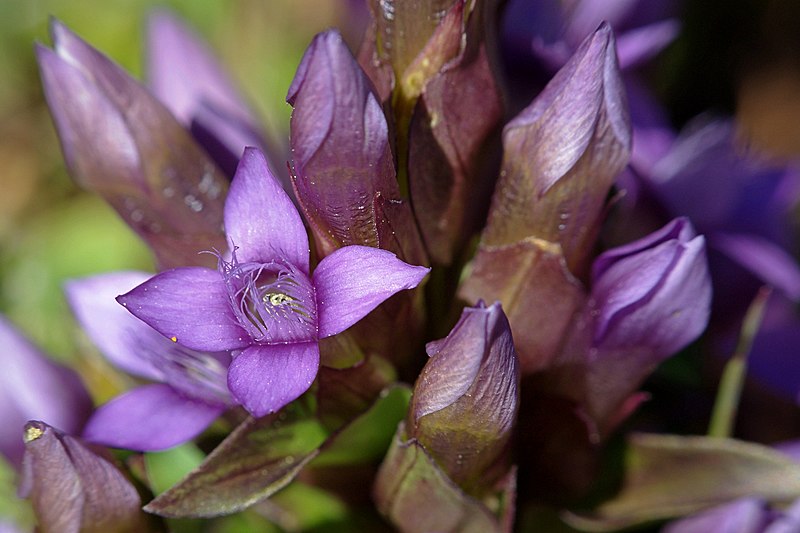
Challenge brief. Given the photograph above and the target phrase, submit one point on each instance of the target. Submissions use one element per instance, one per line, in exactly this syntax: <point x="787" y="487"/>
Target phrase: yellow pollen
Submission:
<point x="174" y="338"/>
<point x="32" y="433"/>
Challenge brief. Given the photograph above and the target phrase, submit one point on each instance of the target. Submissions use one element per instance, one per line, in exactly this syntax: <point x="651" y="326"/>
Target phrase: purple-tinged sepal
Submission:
<point x="74" y="489"/>
<point x="342" y="163"/>
<point x="119" y="141"/>
<point x="186" y="77"/>
<point x="453" y="133"/>
<point x="33" y="386"/>
<point x="450" y="459"/>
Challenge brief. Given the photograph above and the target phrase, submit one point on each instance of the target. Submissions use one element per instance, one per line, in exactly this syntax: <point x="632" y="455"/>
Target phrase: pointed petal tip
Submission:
<point x="329" y="39"/>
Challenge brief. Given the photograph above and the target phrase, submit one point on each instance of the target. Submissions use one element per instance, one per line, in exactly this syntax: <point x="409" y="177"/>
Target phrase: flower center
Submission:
<point x="273" y="301"/>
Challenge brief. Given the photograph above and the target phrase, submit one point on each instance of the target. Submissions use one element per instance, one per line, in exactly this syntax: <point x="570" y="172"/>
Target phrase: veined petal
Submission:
<point x="110" y="327"/>
<point x="260" y="219"/>
<point x="264" y="378"/>
<point x="150" y="418"/>
<point x="354" y="280"/>
<point x="188" y="305"/>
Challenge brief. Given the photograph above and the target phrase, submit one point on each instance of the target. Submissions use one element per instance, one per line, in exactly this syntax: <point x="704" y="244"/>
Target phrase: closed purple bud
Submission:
<point x="562" y="154"/>
<point x="649" y="299"/>
<point x="466" y="399"/>
<point x="33" y="386"/>
<point x="342" y="164"/>
<point x="122" y="143"/>
<point x="73" y="489"/>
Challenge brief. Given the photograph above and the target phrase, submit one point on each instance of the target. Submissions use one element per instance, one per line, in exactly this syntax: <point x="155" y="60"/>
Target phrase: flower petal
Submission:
<point x="110" y="327"/>
<point x="264" y="378"/>
<point x="150" y="418"/>
<point x="766" y="260"/>
<point x="260" y="219"/>
<point x="188" y="305"/>
<point x="32" y="386"/>
<point x="354" y="280"/>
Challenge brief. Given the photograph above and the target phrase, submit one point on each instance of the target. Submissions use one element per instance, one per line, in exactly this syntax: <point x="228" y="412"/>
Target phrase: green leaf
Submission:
<point x="259" y="458"/>
<point x="732" y="381"/>
<point x="165" y="469"/>
<point x="367" y="438"/>
<point x="668" y="476"/>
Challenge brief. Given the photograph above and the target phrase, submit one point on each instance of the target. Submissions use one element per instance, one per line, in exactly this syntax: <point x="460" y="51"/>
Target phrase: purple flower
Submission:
<point x="33" y="386"/>
<point x="186" y="77"/>
<point x="552" y="30"/>
<point x="262" y="300"/>
<point x="190" y="390"/>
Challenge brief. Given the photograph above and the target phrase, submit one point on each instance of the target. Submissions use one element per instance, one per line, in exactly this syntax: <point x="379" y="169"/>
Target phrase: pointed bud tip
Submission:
<point x="34" y="430"/>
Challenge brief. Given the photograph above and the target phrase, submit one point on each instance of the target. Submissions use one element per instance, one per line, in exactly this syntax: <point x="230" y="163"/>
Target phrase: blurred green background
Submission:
<point x="49" y="229"/>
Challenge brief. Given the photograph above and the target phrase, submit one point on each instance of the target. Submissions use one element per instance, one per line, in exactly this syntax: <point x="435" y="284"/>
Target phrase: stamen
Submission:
<point x="273" y="301"/>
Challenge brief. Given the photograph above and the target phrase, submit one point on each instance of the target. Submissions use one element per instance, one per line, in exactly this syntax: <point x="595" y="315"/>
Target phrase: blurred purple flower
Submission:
<point x="186" y="77"/>
<point x="552" y="30"/>
<point x="34" y="387"/>
<point x="190" y="390"/>
<point x="739" y="201"/>
<point x="743" y="204"/>
<point x="262" y="300"/>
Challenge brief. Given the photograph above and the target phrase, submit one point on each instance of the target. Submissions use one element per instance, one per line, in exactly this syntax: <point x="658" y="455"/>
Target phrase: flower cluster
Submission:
<point x="284" y="356"/>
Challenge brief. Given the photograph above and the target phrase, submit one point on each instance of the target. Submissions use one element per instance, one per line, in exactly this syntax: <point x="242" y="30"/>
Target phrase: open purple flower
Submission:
<point x="190" y="389"/>
<point x="262" y="299"/>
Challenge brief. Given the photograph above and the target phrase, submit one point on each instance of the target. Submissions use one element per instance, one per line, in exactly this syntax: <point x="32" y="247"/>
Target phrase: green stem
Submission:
<point x="731" y="383"/>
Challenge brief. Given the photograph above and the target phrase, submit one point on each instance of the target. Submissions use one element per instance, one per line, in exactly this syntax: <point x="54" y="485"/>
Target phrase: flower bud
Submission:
<point x="73" y="489"/>
<point x="342" y="164"/>
<point x="33" y="386"/>
<point x="466" y="399"/>
<point x="649" y="299"/>
<point x="122" y="143"/>
<point x="562" y="153"/>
